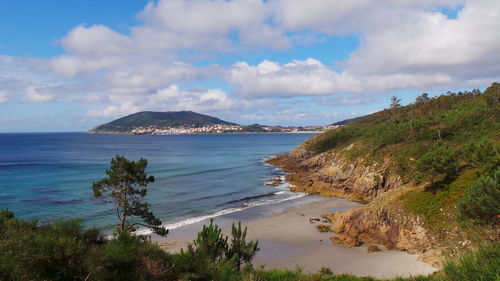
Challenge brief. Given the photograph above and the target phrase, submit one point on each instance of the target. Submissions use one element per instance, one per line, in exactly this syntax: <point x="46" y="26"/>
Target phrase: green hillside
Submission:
<point x="158" y="119"/>
<point x="449" y="143"/>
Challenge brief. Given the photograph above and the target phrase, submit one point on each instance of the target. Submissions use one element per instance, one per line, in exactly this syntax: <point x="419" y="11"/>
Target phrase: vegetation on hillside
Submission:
<point x="450" y="142"/>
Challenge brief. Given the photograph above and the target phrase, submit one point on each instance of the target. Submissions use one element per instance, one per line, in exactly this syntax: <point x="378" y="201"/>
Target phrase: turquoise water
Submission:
<point x="49" y="175"/>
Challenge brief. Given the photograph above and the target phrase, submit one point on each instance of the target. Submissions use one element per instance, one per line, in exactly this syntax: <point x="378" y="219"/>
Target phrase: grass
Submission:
<point x="435" y="203"/>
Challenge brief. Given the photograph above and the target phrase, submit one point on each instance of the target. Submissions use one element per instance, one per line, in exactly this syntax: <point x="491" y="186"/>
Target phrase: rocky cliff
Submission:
<point x="332" y="174"/>
<point x="382" y="220"/>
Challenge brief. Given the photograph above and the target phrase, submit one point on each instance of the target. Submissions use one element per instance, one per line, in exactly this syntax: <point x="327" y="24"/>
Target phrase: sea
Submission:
<point x="47" y="176"/>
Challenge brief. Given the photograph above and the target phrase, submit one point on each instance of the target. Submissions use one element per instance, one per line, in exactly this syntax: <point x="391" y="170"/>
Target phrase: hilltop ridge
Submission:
<point x="158" y="119"/>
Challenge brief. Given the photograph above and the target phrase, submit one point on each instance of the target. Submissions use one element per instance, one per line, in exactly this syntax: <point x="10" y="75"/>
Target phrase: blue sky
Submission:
<point x="71" y="65"/>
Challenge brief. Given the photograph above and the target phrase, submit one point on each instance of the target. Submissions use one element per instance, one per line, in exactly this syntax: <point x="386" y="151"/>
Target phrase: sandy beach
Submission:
<point x="289" y="240"/>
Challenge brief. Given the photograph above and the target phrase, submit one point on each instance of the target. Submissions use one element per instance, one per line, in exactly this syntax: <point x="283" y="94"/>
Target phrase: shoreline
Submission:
<point x="229" y="133"/>
<point x="288" y="239"/>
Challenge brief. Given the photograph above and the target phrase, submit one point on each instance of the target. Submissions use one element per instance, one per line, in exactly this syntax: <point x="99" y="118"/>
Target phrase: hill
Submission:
<point x="158" y="119"/>
<point x="348" y="121"/>
<point x="429" y="173"/>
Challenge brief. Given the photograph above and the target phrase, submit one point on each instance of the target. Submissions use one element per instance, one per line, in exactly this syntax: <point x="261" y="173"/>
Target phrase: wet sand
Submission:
<point x="288" y="239"/>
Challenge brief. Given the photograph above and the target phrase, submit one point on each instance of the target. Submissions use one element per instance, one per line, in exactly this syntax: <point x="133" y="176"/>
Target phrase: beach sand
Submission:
<point x="288" y="239"/>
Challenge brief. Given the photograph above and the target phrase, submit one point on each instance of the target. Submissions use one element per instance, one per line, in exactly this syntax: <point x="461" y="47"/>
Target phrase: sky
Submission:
<point x="72" y="65"/>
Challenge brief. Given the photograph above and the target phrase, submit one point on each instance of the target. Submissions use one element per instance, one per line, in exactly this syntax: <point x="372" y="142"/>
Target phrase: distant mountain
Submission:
<point x="158" y="119"/>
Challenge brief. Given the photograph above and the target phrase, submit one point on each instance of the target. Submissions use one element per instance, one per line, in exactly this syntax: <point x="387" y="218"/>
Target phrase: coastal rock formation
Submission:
<point x="332" y="174"/>
<point x="382" y="221"/>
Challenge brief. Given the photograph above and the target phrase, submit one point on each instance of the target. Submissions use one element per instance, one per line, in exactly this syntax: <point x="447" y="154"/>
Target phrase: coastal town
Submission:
<point x="225" y="129"/>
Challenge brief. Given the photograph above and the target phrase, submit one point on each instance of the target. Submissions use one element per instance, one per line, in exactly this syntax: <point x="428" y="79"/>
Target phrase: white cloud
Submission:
<point x="82" y="40"/>
<point x="149" y="77"/>
<point x="429" y="41"/>
<point x="33" y="95"/>
<point x="311" y="77"/>
<point x="270" y="78"/>
<point x="171" y="98"/>
<point x="4" y="97"/>
<point x="403" y="44"/>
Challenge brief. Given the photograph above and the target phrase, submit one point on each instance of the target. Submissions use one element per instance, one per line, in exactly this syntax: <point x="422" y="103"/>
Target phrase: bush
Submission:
<point x="440" y="160"/>
<point x="241" y="251"/>
<point x="479" y="153"/>
<point x="63" y="250"/>
<point x="209" y="244"/>
<point x="129" y="257"/>
<point x="481" y="201"/>
<point x="50" y="252"/>
<point x="211" y="257"/>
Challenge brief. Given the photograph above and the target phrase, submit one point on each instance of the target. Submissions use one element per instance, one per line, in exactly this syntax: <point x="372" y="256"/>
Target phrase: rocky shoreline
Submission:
<point x="381" y="221"/>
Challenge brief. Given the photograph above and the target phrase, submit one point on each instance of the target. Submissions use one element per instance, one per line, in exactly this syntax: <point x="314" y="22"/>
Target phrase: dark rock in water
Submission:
<point x="274" y="183"/>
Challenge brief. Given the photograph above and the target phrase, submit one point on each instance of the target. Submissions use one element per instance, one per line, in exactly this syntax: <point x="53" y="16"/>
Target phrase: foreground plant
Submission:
<point x="241" y="251"/>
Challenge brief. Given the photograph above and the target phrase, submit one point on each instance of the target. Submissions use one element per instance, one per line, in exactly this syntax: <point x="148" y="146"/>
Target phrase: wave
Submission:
<point x="251" y="198"/>
<point x="13" y="165"/>
<point x="218" y="195"/>
<point x="207" y="171"/>
<point x="224" y="212"/>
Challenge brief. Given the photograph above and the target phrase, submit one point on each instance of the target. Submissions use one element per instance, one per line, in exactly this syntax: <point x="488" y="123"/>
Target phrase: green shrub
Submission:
<point x="481" y="201"/>
<point x="50" y="252"/>
<point x="63" y="250"/>
<point x="478" y="153"/>
<point x="440" y="160"/>
<point x="209" y="244"/>
<point x="240" y="251"/>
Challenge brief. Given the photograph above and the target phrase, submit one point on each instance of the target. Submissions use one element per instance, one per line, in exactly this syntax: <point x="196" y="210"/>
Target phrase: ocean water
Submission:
<point x="49" y="175"/>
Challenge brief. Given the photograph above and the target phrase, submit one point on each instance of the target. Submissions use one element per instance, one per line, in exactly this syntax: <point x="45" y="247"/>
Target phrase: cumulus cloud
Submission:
<point x="308" y="77"/>
<point x="404" y="44"/>
<point x="311" y="77"/>
<point x="430" y="41"/>
<point x="171" y="98"/>
<point x="33" y="95"/>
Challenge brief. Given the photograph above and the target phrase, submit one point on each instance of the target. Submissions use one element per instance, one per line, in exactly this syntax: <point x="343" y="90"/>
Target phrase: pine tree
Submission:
<point x="440" y="160"/>
<point x="126" y="184"/>
<point x="209" y="243"/>
<point x="241" y="251"/>
<point x="481" y="201"/>
<point x="479" y="152"/>
<point x="395" y="102"/>
<point x="422" y="98"/>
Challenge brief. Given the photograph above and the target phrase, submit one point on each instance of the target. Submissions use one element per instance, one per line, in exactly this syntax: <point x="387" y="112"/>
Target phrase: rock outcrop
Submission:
<point x="332" y="174"/>
<point x="381" y="221"/>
